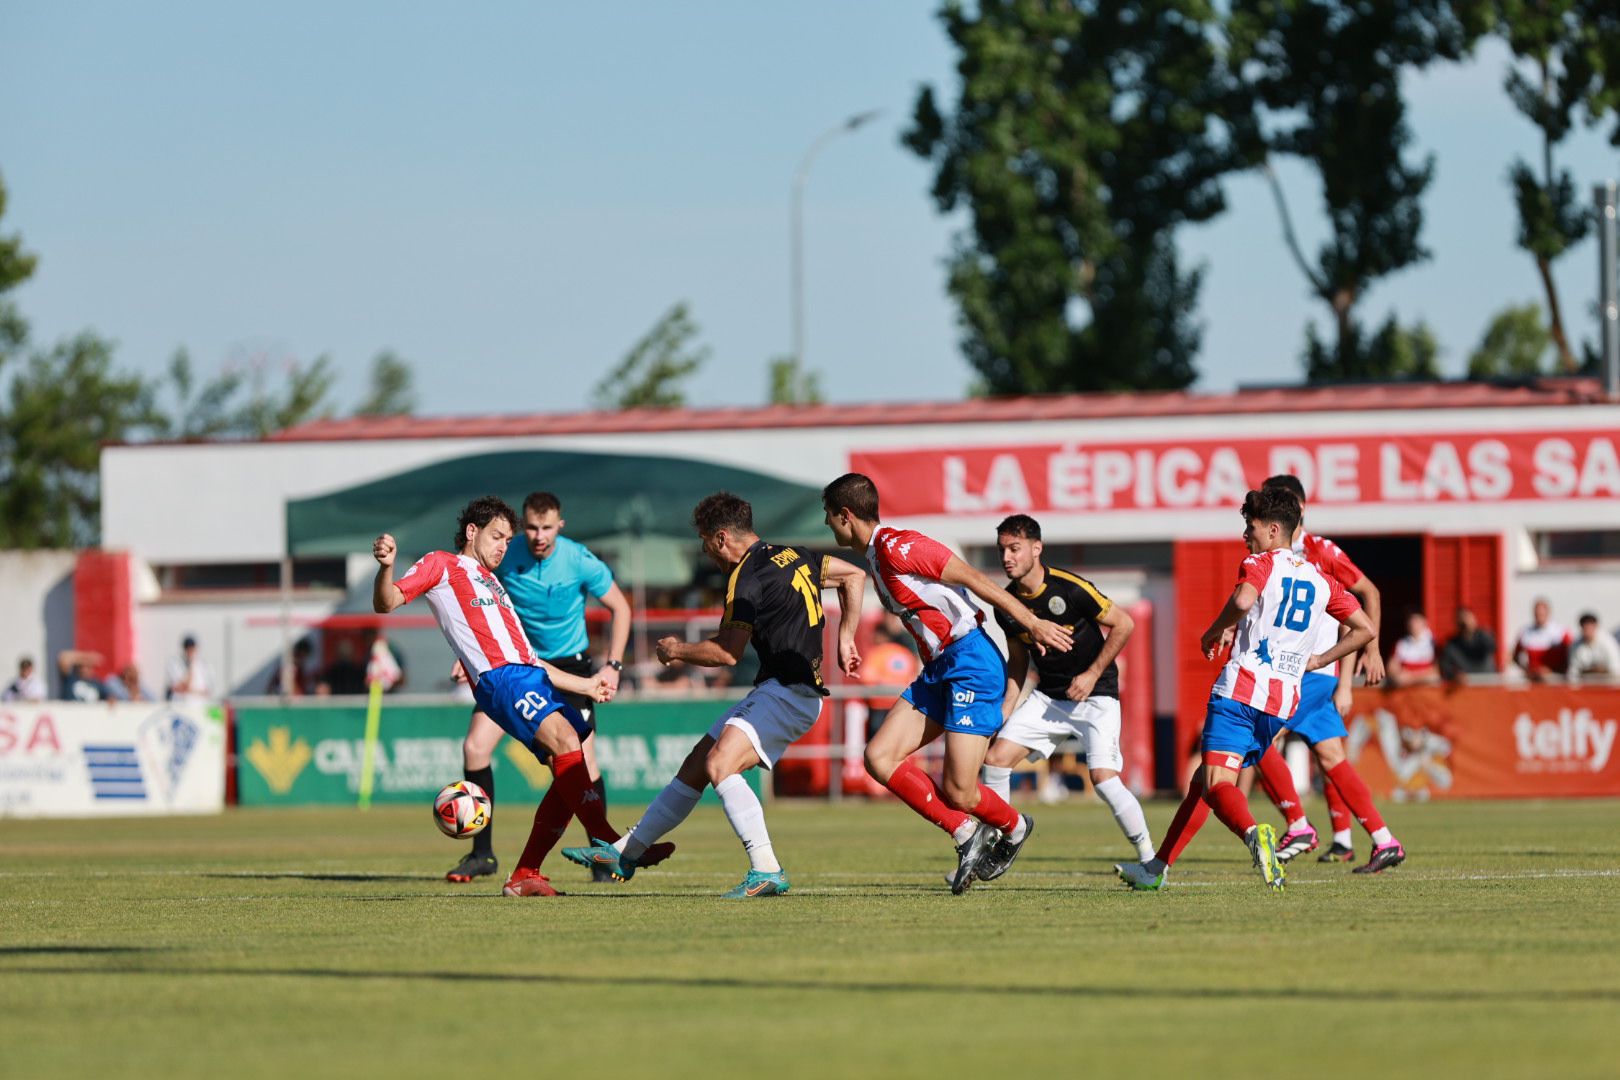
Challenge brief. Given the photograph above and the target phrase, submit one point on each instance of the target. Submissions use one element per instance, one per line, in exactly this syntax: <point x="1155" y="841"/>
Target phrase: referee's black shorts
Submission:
<point x="577" y="664"/>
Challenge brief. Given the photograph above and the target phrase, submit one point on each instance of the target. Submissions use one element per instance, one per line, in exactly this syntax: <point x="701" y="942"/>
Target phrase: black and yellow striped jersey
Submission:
<point x="1071" y="601"/>
<point x="775" y="593"/>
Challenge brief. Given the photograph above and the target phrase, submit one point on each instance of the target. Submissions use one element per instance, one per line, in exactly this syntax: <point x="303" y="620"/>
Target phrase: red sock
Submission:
<point x="1190" y="817"/>
<point x="1231" y="807"/>
<point x="917" y="790"/>
<point x="569" y="782"/>
<point x="1353" y="789"/>
<point x="1338" y="810"/>
<point x="1279" y="784"/>
<point x="592" y="814"/>
<point x="993" y="810"/>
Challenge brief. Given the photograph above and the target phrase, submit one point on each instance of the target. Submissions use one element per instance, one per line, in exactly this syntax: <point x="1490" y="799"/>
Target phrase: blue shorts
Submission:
<point x="1316" y="720"/>
<point x="518" y="697"/>
<point x="1231" y="727"/>
<point x="961" y="688"/>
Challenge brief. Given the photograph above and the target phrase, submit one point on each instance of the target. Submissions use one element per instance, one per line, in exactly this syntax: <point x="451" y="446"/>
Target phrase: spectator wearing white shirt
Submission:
<point x="1414" y="660"/>
<point x="1543" y="646"/>
<point x="188" y="678"/>
<point x="27" y="686"/>
<point x="1596" y="654"/>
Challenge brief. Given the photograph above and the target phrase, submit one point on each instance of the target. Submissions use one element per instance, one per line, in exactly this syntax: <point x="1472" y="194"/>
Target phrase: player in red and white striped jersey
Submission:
<point x="512" y="686"/>
<point x="963" y="680"/>
<point x="1271" y="622"/>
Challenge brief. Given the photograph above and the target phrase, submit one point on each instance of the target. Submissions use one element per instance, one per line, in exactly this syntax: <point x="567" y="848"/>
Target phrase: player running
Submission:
<point x="517" y="690"/>
<point x="547" y="580"/>
<point x="1319" y="720"/>
<point x="963" y="680"/>
<point x="773" y="599"/>
<point x="1077" y="692"/>
<point x="1272" y="622"/>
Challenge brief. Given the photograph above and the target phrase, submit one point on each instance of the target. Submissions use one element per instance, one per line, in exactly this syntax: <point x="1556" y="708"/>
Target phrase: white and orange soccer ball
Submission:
<point x="461" y="809"/>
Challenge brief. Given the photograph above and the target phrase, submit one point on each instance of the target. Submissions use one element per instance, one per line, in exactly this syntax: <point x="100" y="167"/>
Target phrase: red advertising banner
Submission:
<point x="1342" y="469"/>
<point x="1487" y="742"/>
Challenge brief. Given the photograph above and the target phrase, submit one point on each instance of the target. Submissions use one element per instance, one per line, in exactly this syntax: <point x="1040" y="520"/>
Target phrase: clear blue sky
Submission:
<point x="509" y="194"/>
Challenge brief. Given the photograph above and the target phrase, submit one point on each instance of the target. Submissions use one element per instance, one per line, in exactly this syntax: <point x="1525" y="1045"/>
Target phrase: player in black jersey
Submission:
<point x="773" y="598"/>
<point x="1077" y="692"/>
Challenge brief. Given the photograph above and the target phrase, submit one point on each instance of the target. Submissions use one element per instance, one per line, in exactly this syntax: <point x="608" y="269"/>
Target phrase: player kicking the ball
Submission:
<point x="512" y="687"/>
<point x="1272" y="622"/>
<point x="773" y="599"/>
<point x="963" y="680"/>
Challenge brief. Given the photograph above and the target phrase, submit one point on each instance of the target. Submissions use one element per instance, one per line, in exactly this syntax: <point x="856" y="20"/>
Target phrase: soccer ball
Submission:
<point x="461" y="809"/>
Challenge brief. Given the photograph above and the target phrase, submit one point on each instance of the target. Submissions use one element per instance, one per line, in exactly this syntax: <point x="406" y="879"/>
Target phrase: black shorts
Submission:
<point x="577" y="664"/>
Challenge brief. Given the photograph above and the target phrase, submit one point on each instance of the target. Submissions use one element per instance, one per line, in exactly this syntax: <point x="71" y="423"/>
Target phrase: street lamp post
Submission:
<point x="798" y="239"/>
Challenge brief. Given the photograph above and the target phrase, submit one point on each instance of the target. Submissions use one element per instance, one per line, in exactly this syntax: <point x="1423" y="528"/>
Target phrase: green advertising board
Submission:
<point x="297" y="755"/>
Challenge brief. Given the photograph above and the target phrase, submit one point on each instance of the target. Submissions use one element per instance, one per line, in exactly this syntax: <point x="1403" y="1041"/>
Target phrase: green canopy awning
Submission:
<point x="603" y="496"/>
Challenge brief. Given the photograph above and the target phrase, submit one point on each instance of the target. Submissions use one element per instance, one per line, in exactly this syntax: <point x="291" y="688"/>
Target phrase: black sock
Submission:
<point x="484" y="842"/>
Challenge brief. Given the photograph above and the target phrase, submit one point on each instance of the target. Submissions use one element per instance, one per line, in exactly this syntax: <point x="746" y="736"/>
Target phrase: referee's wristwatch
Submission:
<point x="616" y="665"/>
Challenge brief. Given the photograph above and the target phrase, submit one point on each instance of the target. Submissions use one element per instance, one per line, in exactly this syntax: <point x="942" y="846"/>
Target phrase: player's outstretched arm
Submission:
<point x="1120" y="627"/>
<point x="1237" y="606"/>
<point x="1046" y="635"/>
<point x="1371" y="661"/>
<point x="618" y="630"/>
<point x="596" y="688"/>
<point x="1361" y="632"/>
<point x="850" y="581"/>
<point x="385" y="595"/>
<point x="722" y="650"/>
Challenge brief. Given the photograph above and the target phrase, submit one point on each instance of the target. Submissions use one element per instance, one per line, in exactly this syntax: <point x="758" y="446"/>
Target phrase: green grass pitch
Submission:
<point x="325" y="943"/>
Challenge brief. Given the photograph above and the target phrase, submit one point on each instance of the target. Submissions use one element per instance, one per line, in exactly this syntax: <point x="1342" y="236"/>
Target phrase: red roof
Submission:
<point x="1297" y="399"/>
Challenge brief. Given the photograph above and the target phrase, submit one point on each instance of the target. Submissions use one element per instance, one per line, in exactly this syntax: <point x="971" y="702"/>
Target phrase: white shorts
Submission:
<point x="772" y="716"/>
<point x="1043" y="724"/>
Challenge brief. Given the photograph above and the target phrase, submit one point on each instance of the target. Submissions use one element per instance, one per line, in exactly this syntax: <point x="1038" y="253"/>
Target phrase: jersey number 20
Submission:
<point x="1295" y="610"/>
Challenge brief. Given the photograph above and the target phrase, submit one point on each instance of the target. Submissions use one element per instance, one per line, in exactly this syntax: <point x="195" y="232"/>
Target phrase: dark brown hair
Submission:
<point x="542" y="501"/>
<point x="1274" y="504"/>
<point x="853" y="492"/>
<point x="480" y="512"/>
<point x="723" y="510"/>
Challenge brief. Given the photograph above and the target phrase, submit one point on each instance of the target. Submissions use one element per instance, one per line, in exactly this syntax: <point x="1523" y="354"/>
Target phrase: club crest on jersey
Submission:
<point x="1057" y="605"/>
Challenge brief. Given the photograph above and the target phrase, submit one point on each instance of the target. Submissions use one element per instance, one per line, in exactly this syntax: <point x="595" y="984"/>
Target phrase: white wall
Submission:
<point x="36" y="610"/>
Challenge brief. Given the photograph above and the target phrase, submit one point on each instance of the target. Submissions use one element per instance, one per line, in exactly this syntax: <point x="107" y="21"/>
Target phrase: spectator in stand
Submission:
<point x="188" y="677"/>
<point x="77" y="668"/>
<point x="1471" y="650"/>
<point x="345" y="674"/>
<point x="27" y="686"/>
<point x="1596" y="654"/>
<point x="1414" y="661"/>
<point x="1542" y="648"/>
<point x="126" y="686"/>
<point x="303" y="673"/>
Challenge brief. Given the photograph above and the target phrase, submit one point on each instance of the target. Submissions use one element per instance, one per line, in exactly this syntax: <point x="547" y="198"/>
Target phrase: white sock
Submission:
<point x="1343" y="837"/>
<point x="1383" y="836"/>
<point x="1301" y="823"/>
<point x="1128" y="812"/>
<point x="997" y="779"/>
<point x="747" y="819"/>
<point x="668" y="810"/>
<point x="1019" y="831"/>
<point x="965" y="830"/>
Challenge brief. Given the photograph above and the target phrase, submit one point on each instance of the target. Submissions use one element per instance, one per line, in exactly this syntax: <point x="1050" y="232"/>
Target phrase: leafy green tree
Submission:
<point x="652" y="371"/>
<point x="1325" y="78"/>
<point x="195" y="411"/>
<point x="282" y="394"/>
<point x="788" y="387"/>
<point x="1558" y="69"/>
<point x="1515" y="343"/>
<point x="59" y="410"/>
<point x="16" y="267"/>
<point x="1392" y="353"/>
<point x="1085" y="132"/>
<point x="390" y="392"/>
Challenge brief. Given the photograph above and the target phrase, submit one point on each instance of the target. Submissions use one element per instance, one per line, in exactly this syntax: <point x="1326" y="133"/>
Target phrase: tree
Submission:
<point x="197" y="412"/>
<point x="1084" y="134"/>
<point x="302" y="394"/>
<point x="1513" y="344"/>
<point x="1325" y="78"/>
<point x="787" y="387"/>
<point x="390" y="393"/>
<point x="61" y="407"/>
<point x="16" y="267"/>
<point x="1393" y="353"/>
<point x="652" y="371"/>
<point x="1558" y="69"/>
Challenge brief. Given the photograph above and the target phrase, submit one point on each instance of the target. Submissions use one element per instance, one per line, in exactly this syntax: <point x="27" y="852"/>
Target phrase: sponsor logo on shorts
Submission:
<point x="965" y="721"/>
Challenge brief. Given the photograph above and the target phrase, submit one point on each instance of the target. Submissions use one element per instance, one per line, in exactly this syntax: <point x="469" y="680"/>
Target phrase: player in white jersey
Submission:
<point x="512" y="686"/>
<point x="1271" y="622"/>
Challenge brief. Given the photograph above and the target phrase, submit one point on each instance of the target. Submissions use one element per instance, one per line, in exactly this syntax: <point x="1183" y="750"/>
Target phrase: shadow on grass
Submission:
<point x="299" y="875"/>
<point x="1456" y="995"/>
<point x="76" y="950"/>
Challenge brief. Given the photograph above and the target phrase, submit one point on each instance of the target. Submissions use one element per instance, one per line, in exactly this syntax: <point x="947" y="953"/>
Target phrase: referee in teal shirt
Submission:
<point x="548" y="579"/>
